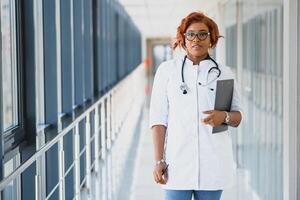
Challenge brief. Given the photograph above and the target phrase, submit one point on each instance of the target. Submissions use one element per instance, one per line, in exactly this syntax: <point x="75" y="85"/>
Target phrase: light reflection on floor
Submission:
<point x="142" y="186"/>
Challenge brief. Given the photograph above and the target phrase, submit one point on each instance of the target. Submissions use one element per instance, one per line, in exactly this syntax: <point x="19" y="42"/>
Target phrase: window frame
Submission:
<point x="15" y="135"/>
<point x="298" y="88"/>
<point x="1" y="153"/>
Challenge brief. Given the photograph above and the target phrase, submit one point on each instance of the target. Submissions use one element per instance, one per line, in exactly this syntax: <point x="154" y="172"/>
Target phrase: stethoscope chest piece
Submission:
<point x="184" y="88"/>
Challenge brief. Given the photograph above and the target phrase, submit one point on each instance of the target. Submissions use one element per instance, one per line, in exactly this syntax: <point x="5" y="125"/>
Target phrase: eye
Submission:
<point x="203" y="34"/>
<point x="190" y="34"/>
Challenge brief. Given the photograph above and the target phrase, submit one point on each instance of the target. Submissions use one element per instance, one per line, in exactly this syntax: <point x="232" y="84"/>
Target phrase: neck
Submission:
<point x="196" y="59"/>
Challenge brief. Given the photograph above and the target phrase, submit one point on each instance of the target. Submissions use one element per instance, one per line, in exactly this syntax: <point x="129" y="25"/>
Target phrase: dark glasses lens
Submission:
<point x="201" y="35"/>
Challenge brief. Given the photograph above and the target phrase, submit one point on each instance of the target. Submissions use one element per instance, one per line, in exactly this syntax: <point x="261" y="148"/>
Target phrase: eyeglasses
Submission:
<point x="202" y="35"/>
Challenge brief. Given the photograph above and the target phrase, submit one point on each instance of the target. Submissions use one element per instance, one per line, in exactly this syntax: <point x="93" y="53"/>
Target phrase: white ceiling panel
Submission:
<point x="160" y="18"/>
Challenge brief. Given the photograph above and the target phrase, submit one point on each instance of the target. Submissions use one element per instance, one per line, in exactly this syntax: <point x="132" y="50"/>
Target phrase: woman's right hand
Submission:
<point x="160" y="173"/>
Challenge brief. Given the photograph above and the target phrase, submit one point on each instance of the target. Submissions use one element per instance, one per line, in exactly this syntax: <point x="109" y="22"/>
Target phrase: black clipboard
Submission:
<point x="224" y="93"/>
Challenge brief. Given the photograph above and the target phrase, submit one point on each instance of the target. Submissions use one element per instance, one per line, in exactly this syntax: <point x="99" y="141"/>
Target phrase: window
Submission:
<point x="259" y="148"/>
<point x="231" y="36"/>
<point x="9" y="65"/>
<point x="231" y="46"/>
<point x="13" y="191"/>
<point x="161" y="52"/>
<point x="11" y="76"/>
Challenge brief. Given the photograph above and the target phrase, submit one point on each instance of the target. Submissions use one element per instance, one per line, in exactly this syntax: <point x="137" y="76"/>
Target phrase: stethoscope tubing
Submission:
<point x="183" y="86"/>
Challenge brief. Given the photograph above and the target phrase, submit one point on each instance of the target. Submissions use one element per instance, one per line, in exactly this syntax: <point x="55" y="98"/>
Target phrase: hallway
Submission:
<point x="77" y="77"/>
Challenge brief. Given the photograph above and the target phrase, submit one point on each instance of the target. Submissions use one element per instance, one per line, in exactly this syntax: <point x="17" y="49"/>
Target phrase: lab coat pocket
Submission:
<point x="223" y="147"/>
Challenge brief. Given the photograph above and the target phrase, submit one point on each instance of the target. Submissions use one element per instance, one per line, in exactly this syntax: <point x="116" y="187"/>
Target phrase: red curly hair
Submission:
<point x="196" y="17"/>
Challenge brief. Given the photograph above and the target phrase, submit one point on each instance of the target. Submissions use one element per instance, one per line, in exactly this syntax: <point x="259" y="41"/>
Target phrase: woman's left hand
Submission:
<point x="214" y="118"/>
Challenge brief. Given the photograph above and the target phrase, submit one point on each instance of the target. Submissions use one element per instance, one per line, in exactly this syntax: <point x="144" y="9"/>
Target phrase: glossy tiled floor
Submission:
<point x="143" y="187"/>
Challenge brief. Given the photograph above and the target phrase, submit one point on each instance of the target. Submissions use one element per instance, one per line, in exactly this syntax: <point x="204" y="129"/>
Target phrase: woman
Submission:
<point x="189" y="159"/>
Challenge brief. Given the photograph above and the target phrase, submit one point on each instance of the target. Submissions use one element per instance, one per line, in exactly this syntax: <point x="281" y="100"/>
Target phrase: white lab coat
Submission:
<point x="198" y="159"/>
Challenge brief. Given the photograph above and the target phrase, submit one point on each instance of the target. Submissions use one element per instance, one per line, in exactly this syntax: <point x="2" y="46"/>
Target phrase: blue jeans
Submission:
<point x="198" y="194"/>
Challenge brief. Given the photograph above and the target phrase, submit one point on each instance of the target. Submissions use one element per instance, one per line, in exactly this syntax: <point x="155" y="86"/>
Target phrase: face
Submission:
<point x="197" y="39"/>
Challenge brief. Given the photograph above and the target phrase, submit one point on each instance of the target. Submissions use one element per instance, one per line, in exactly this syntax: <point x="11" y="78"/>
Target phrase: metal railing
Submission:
<point x="109" y="114"/>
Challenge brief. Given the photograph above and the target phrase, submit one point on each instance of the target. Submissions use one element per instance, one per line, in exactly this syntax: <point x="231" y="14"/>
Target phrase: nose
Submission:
<point x="196" y="38"/>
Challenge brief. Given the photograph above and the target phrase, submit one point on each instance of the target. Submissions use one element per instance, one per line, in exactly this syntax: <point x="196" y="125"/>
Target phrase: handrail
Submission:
<point x="20" y="169"/>
<point x="47" y="146"/>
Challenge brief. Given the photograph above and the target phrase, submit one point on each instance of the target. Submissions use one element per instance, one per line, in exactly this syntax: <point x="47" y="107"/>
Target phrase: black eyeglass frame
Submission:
<point x="197" y="34"/>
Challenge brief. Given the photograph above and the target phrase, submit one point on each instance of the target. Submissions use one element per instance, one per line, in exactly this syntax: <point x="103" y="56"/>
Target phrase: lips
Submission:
<point x="196" y="46"/>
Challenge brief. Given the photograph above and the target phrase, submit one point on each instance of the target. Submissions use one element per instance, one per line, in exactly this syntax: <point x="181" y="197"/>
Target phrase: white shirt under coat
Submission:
<point x="198" y="159"/>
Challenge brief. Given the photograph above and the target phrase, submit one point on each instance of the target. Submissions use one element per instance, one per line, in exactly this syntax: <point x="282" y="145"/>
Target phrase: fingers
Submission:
<point x="207" y="119"/>
<point x="208" y="112"/>
<point x="160" y="177"/>
<point x="210" y="119"/>
<point x="165" y="175"/>
<point x="211" y="122"/>
<point x="163" y="179"/>
<point x="156" y="176"/>
<point x="215" y="118"/>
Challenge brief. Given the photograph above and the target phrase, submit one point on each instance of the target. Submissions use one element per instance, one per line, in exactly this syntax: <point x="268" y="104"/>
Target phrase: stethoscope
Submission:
<point x="214" y="70"/>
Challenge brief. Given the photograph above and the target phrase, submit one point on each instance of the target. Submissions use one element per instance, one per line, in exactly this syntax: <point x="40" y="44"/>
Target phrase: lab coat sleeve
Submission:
<point x="236" y="104"/>
<point x="159" y="106"/>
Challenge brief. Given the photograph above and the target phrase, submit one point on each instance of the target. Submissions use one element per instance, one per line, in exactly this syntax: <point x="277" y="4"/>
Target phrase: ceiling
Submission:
<point x="160" y="18"/>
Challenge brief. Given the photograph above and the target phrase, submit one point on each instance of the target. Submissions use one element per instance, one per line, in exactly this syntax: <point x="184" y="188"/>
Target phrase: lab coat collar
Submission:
<point x="204" y="64"/>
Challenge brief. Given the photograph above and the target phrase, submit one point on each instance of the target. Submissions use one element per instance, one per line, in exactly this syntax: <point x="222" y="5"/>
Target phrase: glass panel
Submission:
<point x="12" y="190"/>
<point x="161" y="52"/>
<point x="259" y="144"/>
<point x="231" y="34"/>
<point x="9" y="67"/>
